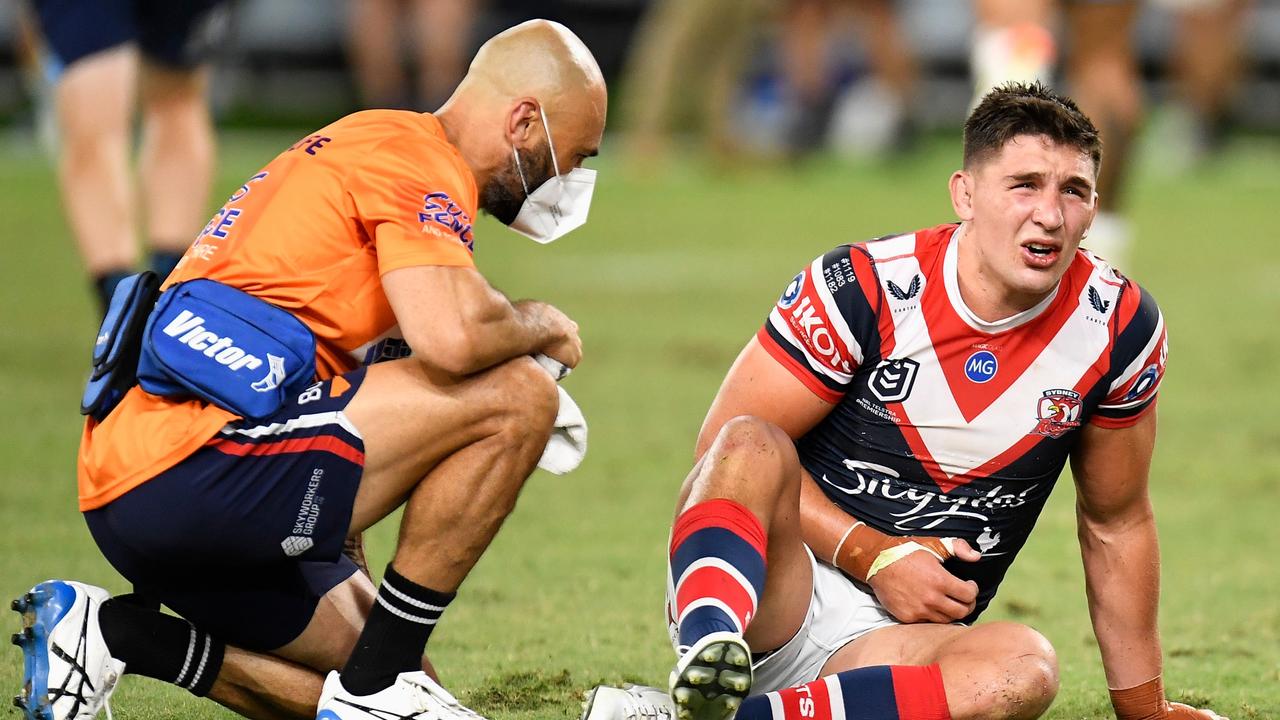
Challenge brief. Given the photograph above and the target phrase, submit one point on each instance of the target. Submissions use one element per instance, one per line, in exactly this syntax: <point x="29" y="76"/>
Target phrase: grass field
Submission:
<point x="668" y="280"/>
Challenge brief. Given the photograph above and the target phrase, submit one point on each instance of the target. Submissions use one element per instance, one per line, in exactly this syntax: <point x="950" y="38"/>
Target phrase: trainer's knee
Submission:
<point x="525" y="400"/>
<point x="1028" y="679"/>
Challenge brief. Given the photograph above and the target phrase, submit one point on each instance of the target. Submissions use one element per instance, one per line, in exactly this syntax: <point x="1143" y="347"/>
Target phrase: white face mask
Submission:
<point x="558" y="205"/>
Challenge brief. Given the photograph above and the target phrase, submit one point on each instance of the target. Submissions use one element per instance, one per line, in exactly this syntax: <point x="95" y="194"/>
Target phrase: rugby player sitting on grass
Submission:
<point x="879" y="452"/>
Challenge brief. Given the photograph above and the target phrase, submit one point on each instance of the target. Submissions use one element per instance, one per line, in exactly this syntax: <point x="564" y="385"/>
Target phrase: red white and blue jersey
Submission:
<point x="944" y="424"/>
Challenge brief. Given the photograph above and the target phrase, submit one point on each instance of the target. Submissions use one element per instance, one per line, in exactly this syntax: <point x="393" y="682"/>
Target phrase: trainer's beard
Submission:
<point x="503" y="195"/>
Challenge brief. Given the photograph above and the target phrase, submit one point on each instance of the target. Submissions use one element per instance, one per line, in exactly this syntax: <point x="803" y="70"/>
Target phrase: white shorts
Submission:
<point x="839" y="613"/>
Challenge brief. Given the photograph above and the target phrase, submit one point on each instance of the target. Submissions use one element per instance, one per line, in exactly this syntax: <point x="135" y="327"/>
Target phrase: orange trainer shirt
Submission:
<point x="311" y="233"/>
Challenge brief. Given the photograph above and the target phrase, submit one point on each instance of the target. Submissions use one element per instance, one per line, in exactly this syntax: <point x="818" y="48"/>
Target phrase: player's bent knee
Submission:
<point x="1030" y="669"/>
<point x="751" y="433"/>
<point x="750" y="457"/>
<point x="755" y="440"/>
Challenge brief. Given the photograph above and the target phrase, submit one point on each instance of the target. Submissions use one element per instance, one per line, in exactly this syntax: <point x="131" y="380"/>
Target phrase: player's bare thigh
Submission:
<point x="983" y="666"/>
<point x="411" y="420"/>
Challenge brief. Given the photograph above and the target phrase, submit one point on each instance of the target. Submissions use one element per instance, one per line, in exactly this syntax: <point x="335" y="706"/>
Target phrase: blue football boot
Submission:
<point x="67" y="673"/>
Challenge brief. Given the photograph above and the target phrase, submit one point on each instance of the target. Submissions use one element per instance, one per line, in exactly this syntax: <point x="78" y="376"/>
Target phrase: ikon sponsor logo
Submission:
<point x="891" y="381"/>
<point x="813" y="329"/>
<point x="981" y="366"/>
<point x="792" y="292"/>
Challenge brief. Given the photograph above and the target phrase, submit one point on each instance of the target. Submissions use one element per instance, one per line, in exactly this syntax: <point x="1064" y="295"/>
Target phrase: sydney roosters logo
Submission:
<point x="1058" y="412"/>
<point x="913" y="289"/>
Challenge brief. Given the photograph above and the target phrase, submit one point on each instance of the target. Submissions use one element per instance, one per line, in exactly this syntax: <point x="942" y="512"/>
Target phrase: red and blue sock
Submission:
<point x="717" y="567"/>
<point x="883" y="692"/>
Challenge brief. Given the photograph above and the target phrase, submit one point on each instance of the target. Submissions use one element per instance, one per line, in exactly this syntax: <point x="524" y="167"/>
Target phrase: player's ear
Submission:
<point x="1093" y="214"/>
<point x="522" y="121"/>
<point x="962" y="194"/>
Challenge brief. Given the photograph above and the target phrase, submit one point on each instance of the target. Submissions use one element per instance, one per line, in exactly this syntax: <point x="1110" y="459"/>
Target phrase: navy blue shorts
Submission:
<point x="174" y="33"/>
<point x="245" y="536"/>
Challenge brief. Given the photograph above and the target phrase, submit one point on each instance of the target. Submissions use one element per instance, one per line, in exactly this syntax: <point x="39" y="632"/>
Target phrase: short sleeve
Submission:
<point x="822" y="323"/>
<point x="416" y="205"/>
<point x="1138" y="359"/>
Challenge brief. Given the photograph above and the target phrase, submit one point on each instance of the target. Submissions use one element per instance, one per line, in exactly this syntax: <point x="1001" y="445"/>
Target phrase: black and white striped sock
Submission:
<point x="200" y="667"/>
<point x="160" y="646"/>
<point x="395" y="635"/>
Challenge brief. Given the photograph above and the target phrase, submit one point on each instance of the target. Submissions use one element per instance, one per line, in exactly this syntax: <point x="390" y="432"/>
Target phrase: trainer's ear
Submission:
<point x="523" y="122"/>
<point x="962" y="187"/>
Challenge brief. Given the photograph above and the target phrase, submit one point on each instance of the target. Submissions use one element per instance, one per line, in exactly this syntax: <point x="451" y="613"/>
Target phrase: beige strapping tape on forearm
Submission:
<point x="891" y="555"/>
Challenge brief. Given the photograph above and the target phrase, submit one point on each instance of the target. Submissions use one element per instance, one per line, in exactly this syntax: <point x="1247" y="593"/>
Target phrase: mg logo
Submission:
<point x="891" y="381"/>
<point x="981" y="366"/>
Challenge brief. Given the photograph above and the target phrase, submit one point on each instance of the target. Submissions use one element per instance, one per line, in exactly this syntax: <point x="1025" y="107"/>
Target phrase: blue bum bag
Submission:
<point x="226" y="347"/>
<point x="115" y="353"/>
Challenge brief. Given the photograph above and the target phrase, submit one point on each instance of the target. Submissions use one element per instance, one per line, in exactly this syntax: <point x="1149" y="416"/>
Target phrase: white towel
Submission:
<point x="568" y="443"/>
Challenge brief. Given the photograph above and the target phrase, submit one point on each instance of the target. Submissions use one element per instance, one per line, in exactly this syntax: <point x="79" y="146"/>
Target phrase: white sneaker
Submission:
<point x="629" y="702"/>
<point x="413" y="696"/>
<point x="67" y="673"/>
<point x="712" y="678"/>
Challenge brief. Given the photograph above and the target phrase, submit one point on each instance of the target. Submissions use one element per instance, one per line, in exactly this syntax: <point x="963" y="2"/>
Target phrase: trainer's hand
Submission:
<point x="565" y="346"/>
<point x="917" y="588"/>
<point x="1178" y="711"/>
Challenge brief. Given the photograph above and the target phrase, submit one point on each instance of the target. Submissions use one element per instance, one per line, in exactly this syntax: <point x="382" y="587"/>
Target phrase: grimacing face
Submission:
<point x="1029" y="206"/>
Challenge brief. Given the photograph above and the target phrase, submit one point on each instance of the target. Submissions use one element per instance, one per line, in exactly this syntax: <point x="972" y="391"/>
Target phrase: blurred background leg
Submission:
<point x="1012" y="40"/>
<point x="1102" y="76"/>
<point x="175" y="163"/>
<point x="1207" y="67"/>
<point x="442" y="47"/>
<point x="374" y="46"/>
<point x="94" y="102"/>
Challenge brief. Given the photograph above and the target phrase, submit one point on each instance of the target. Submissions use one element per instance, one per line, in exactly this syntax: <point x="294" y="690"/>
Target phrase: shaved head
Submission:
<point x="529" y="88"/>
<point x="542" y="59"/>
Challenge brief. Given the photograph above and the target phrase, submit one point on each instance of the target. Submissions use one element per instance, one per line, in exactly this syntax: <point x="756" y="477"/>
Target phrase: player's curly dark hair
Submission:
<point x="1016" y="109"/>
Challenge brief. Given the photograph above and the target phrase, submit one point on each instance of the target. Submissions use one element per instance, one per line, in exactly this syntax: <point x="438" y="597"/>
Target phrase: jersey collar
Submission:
<point x="951" y="279"/>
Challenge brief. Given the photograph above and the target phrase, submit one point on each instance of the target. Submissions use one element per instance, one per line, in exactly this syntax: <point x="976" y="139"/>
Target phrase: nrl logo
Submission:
<point x="912" y="290"/>
<point x="892" y="379"/>
<point x="1095" y="299"/>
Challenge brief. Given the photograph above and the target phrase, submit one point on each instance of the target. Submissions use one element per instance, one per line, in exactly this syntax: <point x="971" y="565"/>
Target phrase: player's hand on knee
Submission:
<point x="1178" y="711"/>
<point x="917" y="588"/>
